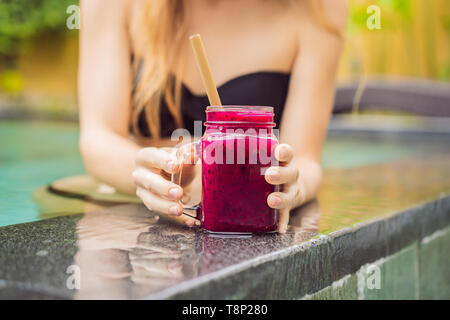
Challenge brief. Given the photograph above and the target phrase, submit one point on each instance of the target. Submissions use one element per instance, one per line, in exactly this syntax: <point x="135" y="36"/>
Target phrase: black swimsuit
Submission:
<point x="266" y="88"/>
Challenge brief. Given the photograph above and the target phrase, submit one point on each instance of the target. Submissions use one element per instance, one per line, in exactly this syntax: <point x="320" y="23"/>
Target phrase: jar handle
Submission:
<point x="185" y="154"/>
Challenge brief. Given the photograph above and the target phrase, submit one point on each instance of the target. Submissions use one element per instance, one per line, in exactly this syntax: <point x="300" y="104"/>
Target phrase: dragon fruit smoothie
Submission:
<point x="237" y="146"/>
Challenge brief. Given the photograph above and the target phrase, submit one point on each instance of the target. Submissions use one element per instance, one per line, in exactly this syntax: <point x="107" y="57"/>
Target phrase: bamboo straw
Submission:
<point x="205" y="71"/>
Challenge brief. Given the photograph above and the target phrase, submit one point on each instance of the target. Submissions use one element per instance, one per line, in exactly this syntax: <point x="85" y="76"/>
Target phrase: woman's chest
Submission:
<point x="240" y="37"/>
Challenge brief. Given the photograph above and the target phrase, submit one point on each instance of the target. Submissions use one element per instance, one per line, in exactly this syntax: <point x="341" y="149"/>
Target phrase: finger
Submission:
<point x="291" y="197"/>
<point x="158" y="204"/>
<point x="169" y="209"/>
<point x="157" y="158"/>
<point x="284" y="153"/>
<point x="156" y="184"/>
<point x="281" y="175"/>
<point x="283" y="220"/>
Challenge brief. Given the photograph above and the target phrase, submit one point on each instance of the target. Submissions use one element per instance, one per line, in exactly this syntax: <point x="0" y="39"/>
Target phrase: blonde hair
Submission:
<point x="157" y="28"/>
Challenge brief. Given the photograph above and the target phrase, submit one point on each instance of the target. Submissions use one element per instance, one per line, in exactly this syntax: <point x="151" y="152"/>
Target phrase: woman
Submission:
<point x="138" y="79"/>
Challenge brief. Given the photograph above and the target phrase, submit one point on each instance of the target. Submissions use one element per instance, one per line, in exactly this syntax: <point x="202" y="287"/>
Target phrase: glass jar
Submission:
<point x="237" y="147"/>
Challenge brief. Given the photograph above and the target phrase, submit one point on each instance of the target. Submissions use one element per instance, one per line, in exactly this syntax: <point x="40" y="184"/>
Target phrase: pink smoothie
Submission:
<point x="236" y="146"/>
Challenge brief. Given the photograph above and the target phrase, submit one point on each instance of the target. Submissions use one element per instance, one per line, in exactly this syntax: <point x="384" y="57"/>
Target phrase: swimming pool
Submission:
<point x="33" y="154"/>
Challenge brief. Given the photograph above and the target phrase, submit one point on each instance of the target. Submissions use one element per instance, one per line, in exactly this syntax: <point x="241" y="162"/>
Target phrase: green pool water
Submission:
<point x="33" y="154"/>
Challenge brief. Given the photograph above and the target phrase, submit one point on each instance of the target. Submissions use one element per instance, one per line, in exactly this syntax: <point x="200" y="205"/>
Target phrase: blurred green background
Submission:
<point x="38" y="53"/>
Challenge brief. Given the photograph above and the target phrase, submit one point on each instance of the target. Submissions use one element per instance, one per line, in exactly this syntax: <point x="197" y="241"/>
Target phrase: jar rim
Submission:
<point x="240" y="123"/>
<point x="239" y="107"/>
<point x="253" y="110"/>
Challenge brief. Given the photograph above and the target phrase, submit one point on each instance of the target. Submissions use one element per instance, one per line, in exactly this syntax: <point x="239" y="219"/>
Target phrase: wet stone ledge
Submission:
<point x="393" y="215"/>
<point x="172" y="262"/>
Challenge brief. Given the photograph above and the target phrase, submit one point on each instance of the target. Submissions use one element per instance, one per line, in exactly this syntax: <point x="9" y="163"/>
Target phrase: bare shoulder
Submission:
<point x="316" y="15"/>
<point x="102" y="6"/>
<point x="336" y="11"/>
<point x="100" y="11"/>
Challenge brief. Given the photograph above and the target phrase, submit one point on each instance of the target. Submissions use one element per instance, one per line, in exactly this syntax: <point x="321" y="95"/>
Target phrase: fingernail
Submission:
<point x="170" y="165"/>
<point x="174" y="193"/>
<point x="275" y="201"/>
<point x="274" y="174"/>
<point x="175" y="211"/>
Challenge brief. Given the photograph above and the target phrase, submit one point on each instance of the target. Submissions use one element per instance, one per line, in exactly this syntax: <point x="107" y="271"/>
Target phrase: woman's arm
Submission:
<point x="105" y="79"/>
<point x="104" y="83"/>
<point x="307" y="111"/>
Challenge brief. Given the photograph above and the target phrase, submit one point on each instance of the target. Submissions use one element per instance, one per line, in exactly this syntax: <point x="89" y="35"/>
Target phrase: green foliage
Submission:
<point x="400" y="7"/>
<point x="11" y="81"/>
<point x="21" y="19"/>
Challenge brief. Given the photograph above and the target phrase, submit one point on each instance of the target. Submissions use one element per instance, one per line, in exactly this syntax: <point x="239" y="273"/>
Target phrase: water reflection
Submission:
<point x="359" y="194"/>
<point x="128" y="252"/>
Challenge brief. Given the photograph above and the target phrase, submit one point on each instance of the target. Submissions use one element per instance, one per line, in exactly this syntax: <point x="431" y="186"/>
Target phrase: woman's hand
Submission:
<point x="154" y="167"/>
<point x="292" y="193"/>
